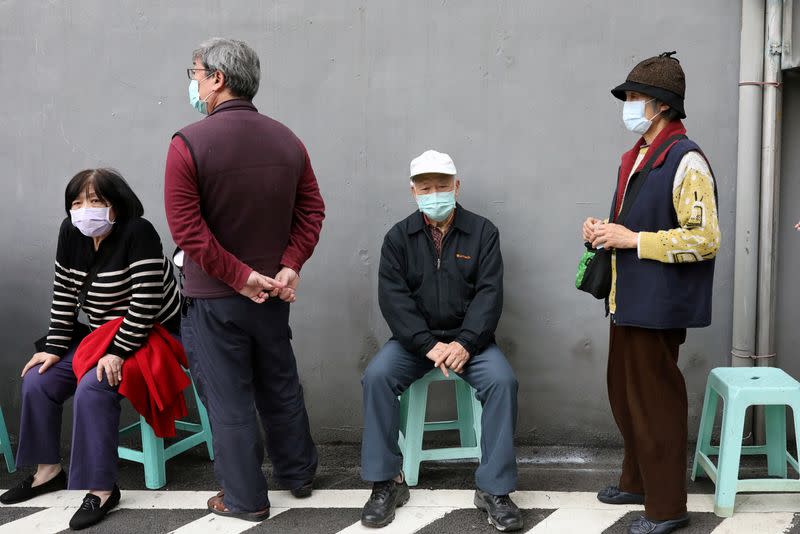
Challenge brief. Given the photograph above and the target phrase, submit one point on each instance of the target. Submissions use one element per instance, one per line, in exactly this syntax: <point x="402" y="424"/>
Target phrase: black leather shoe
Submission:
<point x="386" y="497"/>
<point x="614" y="495"/>
<point x="25" y="490"/>
<point x="90" y="513"/>
<point x="642" y="525"/>
<point x="503" y="513"/>
<point x="303" y="491"/>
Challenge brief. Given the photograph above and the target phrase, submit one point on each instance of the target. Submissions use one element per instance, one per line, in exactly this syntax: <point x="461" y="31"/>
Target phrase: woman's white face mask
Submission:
<point x="634" y="116"/>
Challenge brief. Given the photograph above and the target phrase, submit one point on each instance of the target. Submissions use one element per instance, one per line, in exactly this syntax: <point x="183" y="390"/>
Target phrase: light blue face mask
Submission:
<point x="633" y="115"/>
<point x="194" y="96"/>
<point x="437" y="206"/>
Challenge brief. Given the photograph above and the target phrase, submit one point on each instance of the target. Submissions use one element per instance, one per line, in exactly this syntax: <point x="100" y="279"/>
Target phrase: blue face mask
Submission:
<point x="437" y="206"/>
<point x="633" y="115"/>
<point x="194" y="96"/>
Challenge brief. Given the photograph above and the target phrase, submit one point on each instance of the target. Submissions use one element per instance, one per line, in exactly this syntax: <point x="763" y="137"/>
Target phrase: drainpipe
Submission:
<point x="770" y="185"/>
<point x="745" y="288"/>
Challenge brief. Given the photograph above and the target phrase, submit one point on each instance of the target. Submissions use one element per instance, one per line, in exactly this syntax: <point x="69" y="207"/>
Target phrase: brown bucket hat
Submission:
<point x="660" y="77"/>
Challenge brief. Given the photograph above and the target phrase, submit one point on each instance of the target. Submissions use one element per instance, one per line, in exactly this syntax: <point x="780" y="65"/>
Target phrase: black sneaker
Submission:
<point x="90" y="513"/>
<point x="386" y="497"/>
<point x="614" y="495"/>
<point x="25" y="489"/>
<point x="503" y="514"/>
<point x="303" y="491"/>
<point x="642" y="525"/>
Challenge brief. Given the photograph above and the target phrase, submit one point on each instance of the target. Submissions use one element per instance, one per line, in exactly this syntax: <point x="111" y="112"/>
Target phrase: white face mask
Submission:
<point x="633" y="115"/>
<point x="92" y="222"/>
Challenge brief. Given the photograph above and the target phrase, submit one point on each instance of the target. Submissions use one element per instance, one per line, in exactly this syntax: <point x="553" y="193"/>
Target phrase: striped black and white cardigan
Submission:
<point x="135" y="281"/>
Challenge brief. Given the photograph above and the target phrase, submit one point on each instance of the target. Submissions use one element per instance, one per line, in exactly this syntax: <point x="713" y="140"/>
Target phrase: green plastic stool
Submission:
<point x="413" y="426"/>
<point x="154" y="455"/>
<point x="5" y="444"/>
<point x="740" y="388"/>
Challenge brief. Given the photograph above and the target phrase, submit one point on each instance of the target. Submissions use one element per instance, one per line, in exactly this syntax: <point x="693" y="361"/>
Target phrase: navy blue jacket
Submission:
<point x="652" y="294"/>
<point x="458" y="296"/>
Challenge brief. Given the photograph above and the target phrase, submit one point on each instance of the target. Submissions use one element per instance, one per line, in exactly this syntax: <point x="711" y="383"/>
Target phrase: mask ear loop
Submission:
<point x="645" y="109"/>
<point x="205" y="100"/>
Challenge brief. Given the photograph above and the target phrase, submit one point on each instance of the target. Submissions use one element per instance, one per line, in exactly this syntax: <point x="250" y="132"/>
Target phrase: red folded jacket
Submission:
<point x="153" y="378"/>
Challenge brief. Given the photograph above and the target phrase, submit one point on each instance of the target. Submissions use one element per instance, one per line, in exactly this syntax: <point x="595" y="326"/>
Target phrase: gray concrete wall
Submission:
<point x="516" y="91"/>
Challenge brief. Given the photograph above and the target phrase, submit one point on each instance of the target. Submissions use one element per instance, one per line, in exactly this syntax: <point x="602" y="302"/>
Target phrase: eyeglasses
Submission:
<point x="190" y="72"/>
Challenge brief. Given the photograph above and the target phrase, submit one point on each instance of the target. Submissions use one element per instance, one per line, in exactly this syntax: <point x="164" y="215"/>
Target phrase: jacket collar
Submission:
<point x="629" y="158"/>
<point x="417" y="222"/>
<point x="236" y="103"/>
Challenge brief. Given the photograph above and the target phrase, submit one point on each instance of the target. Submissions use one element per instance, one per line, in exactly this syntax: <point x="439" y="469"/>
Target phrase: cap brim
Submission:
<point x="668" y="97"/>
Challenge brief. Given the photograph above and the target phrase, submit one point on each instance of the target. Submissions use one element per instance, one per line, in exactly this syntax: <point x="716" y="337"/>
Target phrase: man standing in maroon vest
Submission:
<point x="243" y="204"/>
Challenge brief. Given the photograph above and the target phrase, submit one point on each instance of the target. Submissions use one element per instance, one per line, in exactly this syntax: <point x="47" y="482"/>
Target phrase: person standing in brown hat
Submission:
<point x="664" y="234"/>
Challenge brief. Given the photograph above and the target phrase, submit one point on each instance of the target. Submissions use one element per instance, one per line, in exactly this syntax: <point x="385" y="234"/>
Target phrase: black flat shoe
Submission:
<point x="303" y="491"/>
<point x="386" y="497"/>
<point x="502" y="513"/>
<point x="642" y="525"/>
<point x="25" y="490"/>
<point x="614" y="495"/>
<point x="90" y="513"/>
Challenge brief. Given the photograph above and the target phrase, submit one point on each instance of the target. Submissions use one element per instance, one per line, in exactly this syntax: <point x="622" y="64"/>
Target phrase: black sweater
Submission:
<point x="134" y="281"/>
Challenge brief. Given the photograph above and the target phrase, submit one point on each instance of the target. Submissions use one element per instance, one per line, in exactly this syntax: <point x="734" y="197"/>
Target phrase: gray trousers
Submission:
<point x="241" y="359"/>
<point x="394" y="369"/>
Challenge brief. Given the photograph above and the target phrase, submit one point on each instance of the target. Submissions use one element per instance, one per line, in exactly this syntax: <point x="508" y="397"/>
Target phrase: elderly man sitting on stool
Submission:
<point x="441" y="293"/>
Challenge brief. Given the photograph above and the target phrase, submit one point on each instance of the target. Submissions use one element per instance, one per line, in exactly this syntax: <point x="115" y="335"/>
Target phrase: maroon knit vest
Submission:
<point x="248" y="167"/>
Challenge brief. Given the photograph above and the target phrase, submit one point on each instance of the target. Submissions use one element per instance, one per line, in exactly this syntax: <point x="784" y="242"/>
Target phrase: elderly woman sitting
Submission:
<point x="110" y="263"/>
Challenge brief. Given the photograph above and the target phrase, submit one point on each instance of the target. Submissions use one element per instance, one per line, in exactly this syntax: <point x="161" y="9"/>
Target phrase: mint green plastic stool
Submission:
<point x="740" y="388"/>
<point x="5" y="445"/>
<point x="154" y="455"/>
<point x="413" y="426"/>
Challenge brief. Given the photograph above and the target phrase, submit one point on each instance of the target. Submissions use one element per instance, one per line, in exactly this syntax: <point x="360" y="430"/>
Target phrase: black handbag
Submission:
<point x="594" y="267"/>
<point x="594" y="272"/>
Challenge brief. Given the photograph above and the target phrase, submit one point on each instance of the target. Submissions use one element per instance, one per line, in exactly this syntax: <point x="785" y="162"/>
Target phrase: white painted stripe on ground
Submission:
<point x="47" y="521"/>
<point x="407" y="519"/>
<point x="216" y="524"/>
<point x="571" y="520"/>
<point x="193" y="500"/>
<point x="751" y="523"/>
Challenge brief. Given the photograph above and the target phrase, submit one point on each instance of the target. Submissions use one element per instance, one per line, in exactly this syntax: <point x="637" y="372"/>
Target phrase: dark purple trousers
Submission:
<point x="95" y="424"/>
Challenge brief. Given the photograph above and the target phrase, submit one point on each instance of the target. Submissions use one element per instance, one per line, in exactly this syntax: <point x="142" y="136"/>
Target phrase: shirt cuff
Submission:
<point x="649" y="247"/>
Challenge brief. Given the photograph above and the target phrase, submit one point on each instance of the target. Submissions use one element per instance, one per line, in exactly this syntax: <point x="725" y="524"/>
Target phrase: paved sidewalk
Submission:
<point x="557" y="494"/>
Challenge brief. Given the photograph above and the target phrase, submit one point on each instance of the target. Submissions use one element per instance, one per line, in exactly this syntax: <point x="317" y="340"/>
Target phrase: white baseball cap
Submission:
<point x="432" y="161"/>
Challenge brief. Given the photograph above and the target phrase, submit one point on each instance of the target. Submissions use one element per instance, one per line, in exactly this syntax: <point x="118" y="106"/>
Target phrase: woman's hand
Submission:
<point x="112" y="366"/>
<point x="45" y="358"/>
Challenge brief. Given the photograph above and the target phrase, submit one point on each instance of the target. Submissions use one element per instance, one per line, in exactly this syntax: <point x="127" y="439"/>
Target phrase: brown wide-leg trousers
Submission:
<point x="648" y="399"/>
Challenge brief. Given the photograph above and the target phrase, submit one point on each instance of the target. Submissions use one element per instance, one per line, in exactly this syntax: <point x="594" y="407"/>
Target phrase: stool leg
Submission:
<point x="466" y="424"/>
<point x="5" y="443"/>
<point x="477" y="420"/>
<point x="796" y="416"/>
<point x="729" y="455"/>
<point x="204" y="422"/>
<point x="707" y="417"/>
<point x="155" y="464"/>
<point x="775" y="418"/>
<point x="403" y="421"/>
<point x="415" y="429"/>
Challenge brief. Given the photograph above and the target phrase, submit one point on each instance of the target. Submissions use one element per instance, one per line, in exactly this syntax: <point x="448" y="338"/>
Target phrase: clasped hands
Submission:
<point x="608" y="235"/>
<point x="451" y="356"/>
<point x="259" y="288"/>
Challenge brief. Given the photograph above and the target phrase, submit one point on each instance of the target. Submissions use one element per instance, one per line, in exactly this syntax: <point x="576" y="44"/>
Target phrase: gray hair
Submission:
<point x="237" y="61"/>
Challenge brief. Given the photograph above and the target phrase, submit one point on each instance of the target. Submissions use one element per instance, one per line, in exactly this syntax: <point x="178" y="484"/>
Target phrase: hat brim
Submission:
<point x="668" y="97"/>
